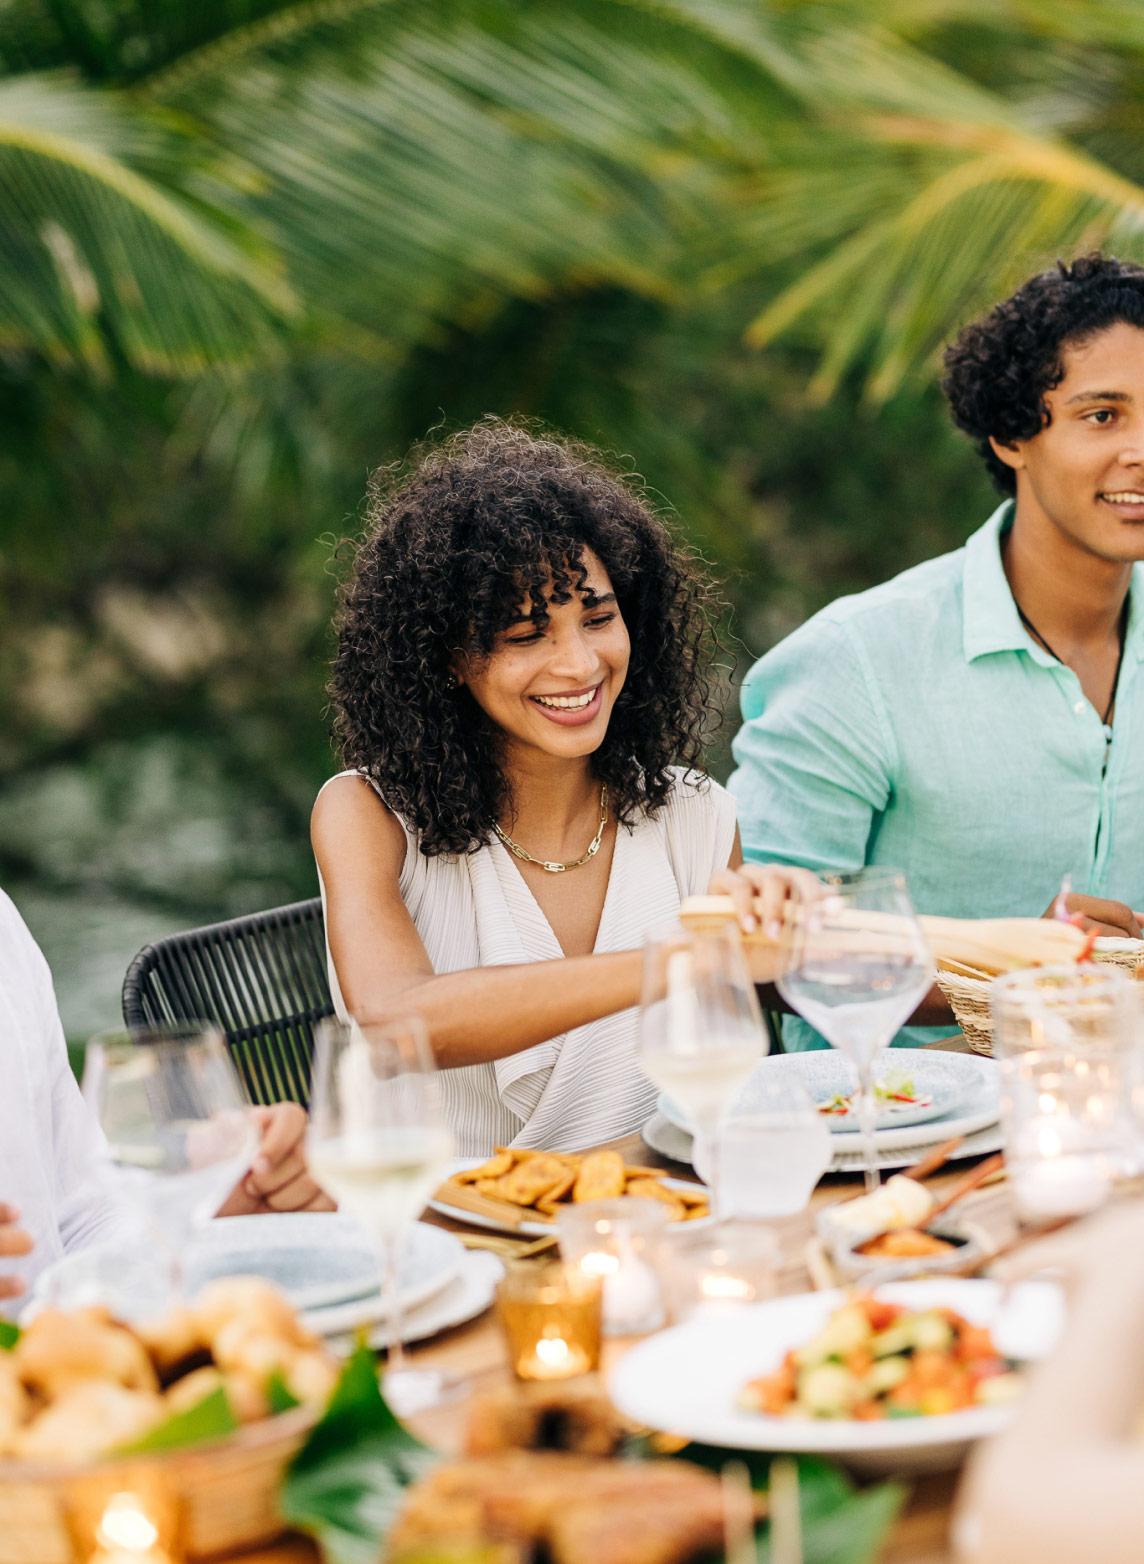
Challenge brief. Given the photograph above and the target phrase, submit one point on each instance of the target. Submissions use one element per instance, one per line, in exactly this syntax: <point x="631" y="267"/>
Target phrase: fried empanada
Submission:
<point x="601" y="1177"/>
<point x="540" y="1175"/>
<point x="652" y="1189"/>
<point x="495" y="1167"/>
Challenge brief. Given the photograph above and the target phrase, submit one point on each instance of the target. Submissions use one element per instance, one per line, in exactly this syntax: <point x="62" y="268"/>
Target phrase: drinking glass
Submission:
<point x="378" y="1144"/>
<point x="701" y="1030"/>
<point x="857" y="966"/>
<point x="178" y="1129"/>
<point x="773" y="1148"/>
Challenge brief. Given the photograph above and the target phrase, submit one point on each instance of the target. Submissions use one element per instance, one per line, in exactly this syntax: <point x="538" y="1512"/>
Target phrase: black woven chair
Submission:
<point x="261" y="979"/>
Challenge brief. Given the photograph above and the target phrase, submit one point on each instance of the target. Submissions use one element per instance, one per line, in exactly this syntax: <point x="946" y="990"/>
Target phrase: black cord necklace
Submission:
<point x="1121" y="630"/>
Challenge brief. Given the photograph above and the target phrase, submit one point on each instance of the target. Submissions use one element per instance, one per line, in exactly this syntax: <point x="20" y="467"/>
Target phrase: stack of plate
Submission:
<point x="961" y="1093"/>
<point x="323" y="1262"/>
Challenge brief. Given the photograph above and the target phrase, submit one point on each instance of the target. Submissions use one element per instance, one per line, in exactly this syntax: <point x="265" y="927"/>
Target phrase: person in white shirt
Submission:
<point x="53" y="1197"/>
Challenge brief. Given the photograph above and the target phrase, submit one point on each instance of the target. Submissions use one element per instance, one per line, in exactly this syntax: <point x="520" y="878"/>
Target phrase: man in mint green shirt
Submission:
<point x="978" y="721"/>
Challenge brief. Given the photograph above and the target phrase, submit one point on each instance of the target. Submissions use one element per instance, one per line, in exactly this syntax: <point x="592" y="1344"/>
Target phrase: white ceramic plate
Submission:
<point x="318" y="1258"/>
<point x="980" y="1106"/>
<point x="663" y="1136"/>
<point x="955" y="1083"/>
<point x="685" y="1381"/>
<point x="527" y="1228"/>
<point x="469" y="1293"/>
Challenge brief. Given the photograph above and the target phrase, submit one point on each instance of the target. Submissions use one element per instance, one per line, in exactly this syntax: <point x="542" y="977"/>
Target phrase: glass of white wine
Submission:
<point x="857" y="968"/>
<point x="379" y="1145"/>
<point x="701" y="1030"/>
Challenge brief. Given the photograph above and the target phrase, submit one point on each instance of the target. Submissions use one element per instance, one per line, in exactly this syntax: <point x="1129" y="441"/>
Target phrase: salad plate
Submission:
<point x="670" y="1141"/>
<point x="912" y="1084"/>
<point x="688" y="1381"/>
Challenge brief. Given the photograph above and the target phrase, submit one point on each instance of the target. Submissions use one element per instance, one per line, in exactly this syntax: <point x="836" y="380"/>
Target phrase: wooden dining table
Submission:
<point x="476" y="1350"/>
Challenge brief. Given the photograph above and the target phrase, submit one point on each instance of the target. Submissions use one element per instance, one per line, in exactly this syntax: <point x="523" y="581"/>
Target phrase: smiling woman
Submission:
<point x="521" y="689"/>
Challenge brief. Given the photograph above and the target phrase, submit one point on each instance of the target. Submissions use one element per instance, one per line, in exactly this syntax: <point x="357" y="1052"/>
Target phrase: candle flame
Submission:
<point x="552" y="1351"/>
<point x="726" y="1287"/>
<point x="600" y="1264"/>
<point x="124" y="1525"/>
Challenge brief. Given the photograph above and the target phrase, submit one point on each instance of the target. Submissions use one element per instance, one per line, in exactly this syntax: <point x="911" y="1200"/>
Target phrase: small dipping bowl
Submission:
<point x="971" y="1246"/>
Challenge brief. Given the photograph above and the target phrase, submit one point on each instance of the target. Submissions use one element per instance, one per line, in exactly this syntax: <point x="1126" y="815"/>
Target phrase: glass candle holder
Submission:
<point x="1067" y="1006"/>
<point x="617" y="1241"/>
<point x="1068" y="1128"/>
<point x="132" y="1518"/>
<point x="718" y="1269"/>
<point x="550" y="1315"/>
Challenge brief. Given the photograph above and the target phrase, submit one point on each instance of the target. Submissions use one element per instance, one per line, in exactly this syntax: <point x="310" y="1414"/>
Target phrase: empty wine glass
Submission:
<point x="701" y="1030"/>
<point x="857" y="967"/>
<point x="179" y="1132"/>
<point x="378" y="1144"/>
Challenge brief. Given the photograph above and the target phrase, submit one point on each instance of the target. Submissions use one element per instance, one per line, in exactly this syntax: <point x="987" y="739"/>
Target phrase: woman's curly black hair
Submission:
<point x="459" y="537"/>
<point x="999" y="368"/>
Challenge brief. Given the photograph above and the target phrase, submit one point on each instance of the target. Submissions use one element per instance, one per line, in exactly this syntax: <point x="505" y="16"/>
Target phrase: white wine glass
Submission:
<point x="856" y="968"/>
<point x="701" y="1030"/>
<point x="379" y="1145"/>
<point x="179" y="1131"/>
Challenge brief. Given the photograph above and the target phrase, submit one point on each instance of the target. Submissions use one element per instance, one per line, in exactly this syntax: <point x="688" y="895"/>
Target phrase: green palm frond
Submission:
<point x="958" y="199"/>
<point x="96" y="258"/>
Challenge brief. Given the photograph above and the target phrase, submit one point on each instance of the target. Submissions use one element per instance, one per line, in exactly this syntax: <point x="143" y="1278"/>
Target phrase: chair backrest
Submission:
<point x="261" y="979"/>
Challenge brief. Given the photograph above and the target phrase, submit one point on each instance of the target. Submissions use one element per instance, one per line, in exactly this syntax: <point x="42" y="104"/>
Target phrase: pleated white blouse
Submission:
<point x="584" y="1086"/>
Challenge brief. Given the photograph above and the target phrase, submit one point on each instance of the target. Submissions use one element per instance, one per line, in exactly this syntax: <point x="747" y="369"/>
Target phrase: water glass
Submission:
<point x="857" y="967"/>
<point x="701" y="1030"/>
<point x="772" y="1149"/>
<point x="1064" y="1006"/>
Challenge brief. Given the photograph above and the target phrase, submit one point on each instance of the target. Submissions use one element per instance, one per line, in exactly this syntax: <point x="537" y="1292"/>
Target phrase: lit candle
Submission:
<point x="1060" y="1186"/>
<point x="551" y="1319"/>
<point x="632" y="1302"/>
<point x="127" y="1535"/>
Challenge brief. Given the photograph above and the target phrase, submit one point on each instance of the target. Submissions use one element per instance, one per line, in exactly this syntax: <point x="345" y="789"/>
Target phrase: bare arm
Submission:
<point x="1066" y="1480"/>
<point x="482" y="1013"/>
<point x="383" y="968"/>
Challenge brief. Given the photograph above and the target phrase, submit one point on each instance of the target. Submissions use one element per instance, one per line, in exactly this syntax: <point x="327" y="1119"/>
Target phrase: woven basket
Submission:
<point x="224" y="1494"/>
<point x="969" y="997"/>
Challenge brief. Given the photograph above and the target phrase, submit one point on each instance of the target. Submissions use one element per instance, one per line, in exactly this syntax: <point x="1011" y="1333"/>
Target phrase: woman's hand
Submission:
<point x="278" y="1179"/>
<point x="13" y="1241"/>
<point x="762" y="893"/>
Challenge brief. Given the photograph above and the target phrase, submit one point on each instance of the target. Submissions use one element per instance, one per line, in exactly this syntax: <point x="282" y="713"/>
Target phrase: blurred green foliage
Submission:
<point x="250" y="249"/>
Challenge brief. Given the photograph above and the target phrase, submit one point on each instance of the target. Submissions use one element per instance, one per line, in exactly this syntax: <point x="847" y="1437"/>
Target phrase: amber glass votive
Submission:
<point x="550" y="1315"/>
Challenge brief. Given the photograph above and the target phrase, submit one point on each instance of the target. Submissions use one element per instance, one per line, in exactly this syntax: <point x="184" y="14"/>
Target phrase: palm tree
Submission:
<point x="196" y="185"/>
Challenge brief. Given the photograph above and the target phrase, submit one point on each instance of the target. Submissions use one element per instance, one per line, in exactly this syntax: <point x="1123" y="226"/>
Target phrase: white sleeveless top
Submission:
<point x="584" y="1086"/>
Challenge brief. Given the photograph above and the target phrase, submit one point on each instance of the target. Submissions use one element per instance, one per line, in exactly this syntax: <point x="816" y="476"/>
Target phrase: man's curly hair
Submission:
<point x="999" y="368"/>
<point x="464" y="537"/>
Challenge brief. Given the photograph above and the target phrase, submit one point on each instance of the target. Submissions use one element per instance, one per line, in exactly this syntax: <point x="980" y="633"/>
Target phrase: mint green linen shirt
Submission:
<point x="918" y="725"/>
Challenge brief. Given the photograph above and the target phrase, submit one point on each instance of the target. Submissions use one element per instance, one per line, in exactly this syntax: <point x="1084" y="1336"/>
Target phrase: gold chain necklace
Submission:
<point x="559" y="868"/>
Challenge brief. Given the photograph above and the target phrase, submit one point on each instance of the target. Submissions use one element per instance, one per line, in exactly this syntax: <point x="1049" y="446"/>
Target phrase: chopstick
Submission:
<point x="983" y="1171"/>
<point x="934" y="1159"/>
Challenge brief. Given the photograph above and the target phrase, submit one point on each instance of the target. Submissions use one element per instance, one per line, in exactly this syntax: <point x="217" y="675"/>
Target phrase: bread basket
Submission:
<point x="969" y="996"/>
<point x="223" y="1495"/>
